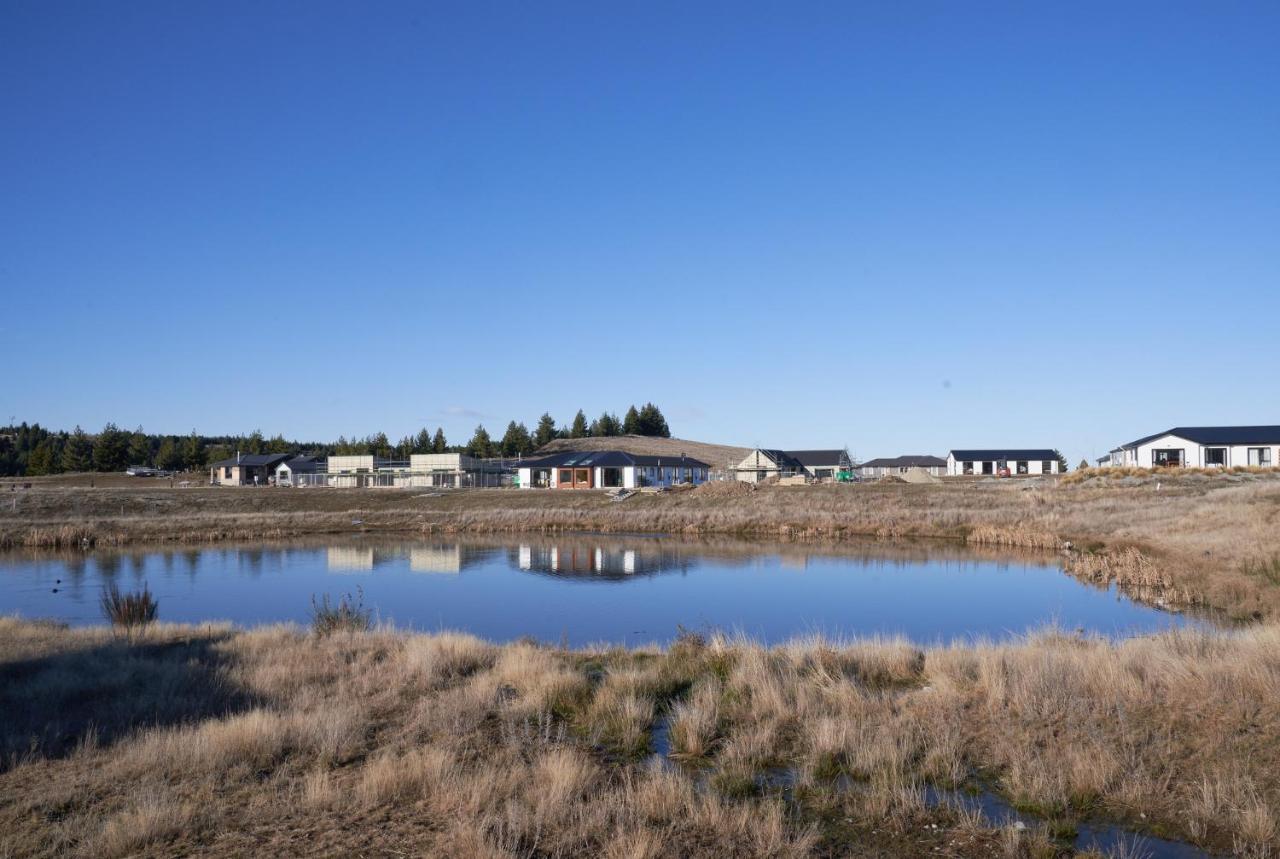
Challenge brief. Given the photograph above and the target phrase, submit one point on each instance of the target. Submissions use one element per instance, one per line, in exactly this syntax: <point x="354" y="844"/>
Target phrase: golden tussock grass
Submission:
<point x="384" y="742"/>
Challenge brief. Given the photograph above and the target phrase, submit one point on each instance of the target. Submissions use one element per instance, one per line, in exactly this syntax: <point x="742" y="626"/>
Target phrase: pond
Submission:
<point x="583" y="589"/>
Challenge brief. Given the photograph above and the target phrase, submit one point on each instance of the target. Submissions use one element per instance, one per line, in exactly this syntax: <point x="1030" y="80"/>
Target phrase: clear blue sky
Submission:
<point x="903" y="227"/>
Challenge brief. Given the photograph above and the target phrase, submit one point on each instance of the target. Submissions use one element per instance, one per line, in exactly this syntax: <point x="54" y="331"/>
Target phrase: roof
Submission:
<point x="1216" y="435"/>
<point x="909" y="461"/>
<point x="1004" y="453"/>
<point x="817" y="457"/>
<point x="253" y="460"/>
<point x="1106" y="458"/>
<point x="609" y="459"/>
<point x="301" y="463"/>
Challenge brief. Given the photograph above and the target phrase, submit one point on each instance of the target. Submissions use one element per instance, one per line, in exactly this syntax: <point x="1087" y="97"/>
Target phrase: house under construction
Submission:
<point x="421" y="470"/>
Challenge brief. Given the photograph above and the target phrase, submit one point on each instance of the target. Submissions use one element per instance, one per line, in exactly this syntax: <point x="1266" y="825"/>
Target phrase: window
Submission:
<point x="582" y="476"/>
<point x="1022" y="467"/>
<point x="988" y="468"/>
<point x="226" y="472"/>
<point x="1166" y="458"/>
<point x="1046" y="466"/>
<point x="1215" y="456"/>
<point x="566" y="477"/>
<point x="822" y="473"/>
<point x="968" y="468"/>
<point x="1260" y="456"/>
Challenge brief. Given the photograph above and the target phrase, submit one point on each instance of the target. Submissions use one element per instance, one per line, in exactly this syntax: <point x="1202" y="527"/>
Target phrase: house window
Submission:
<point x="1260" y="456"/>
<point x="1046" y="466"/>
<point x="1215" y="456"/>
<point x="988" y="468"/>
<point x="968" y="468"/>
<point x="822" y="473"/>
<point x="226" y="472"/>
<point x="566" y="477"/>
<point x="1022" y="467"/>
<point x="1166" y="458"/>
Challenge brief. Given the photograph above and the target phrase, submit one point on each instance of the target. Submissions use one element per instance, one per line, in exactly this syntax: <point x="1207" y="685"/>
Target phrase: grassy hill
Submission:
<point x="715" y="455"/>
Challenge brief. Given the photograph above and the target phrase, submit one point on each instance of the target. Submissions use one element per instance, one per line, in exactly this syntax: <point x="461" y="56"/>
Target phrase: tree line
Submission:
<point x="33" y="450"/>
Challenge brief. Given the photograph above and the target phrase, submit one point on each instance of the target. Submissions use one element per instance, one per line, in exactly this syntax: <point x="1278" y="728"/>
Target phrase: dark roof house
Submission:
<point x="1215" y="435"/>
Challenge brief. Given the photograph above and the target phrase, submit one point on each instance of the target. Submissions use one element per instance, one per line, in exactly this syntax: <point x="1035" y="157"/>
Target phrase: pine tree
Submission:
<point x="111" y="449"/>
<point x="193" y="454"/>
<point x="404" y="448"/>
<point x="40" y="460"/>
<point x="277" y="444"/>
<point x="578" y="429"/>
<point x="1084" y="463"/>
<point x="169" y="456"/>
<point x="422" y="441"/>
<point x="379" y="445"/>
<point x="631" y="422"/>
<point x="516" y="441"/>
<point x="139" y="448"/>
<point x="439" y="444"/>
<point x="606" y="425"/>
<point x="652" y="423"/>
<point x="254" y="443"/>
<point x="1063" y="468"/>
<point x="546" y="430"/>
<point x="481" y="445"/>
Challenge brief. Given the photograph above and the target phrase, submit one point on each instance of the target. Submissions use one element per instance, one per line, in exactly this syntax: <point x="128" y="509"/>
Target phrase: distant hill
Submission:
<point x="715" y="455"/>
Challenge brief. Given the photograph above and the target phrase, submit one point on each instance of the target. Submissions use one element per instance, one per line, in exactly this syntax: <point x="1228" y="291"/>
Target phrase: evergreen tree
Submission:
<point x="40" y="461"/>
<point x="422" y="442"/>
<point x="254" y="443"/>
<point x="546" y="430"/>
<point x="1084" y="463"/>
<point x="169" y="456"/>
<point x="193" y="455"/>
<point x="652" y="423"/>
<point x="111" y="449"/>
<point x="277" y="444"/>
<point x="439" y="444"/>
<point x="516" y="441"/>
<point x="379" y="445"/>
<point x="578" y="429"/>
<point x="481" y="445"/>
<point x="606" y="425"/>
<point x="139" y="448"/>
<point x="1063" y="468"/>
<point x="404" y="448"/>
<point x="631" y="422"/>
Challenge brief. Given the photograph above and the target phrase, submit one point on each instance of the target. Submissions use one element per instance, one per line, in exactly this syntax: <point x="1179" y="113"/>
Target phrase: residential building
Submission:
<point x="1203" y="447"/>
<point x="250" y="469"/>
<point x="996" y="461"/>
<point x="289" y="471"/>
<point x="764" y="463"/>
<point x="899" y="465"/>
<point x="609" y="469"/>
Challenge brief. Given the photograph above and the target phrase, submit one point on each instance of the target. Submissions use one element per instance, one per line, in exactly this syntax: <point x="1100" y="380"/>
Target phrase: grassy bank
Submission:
<point x="216" y="741"/>
<point x="1177" y="540"/>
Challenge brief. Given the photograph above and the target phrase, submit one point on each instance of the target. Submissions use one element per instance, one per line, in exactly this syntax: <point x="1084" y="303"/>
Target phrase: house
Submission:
<point x="1203" y="447"/>
<point x="289" y="472"/>
<point x="453" y="470"/>
<point x="1103" y="461"/>
<point x="887" y="467"/>
<point x="609" y="469"/>
<point x="993" y="461"/>
<point x="250" y="469"/>
<point x="763" y="463"/>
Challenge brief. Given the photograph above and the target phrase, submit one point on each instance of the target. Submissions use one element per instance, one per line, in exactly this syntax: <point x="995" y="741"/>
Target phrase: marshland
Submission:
<point x="340" y="733"/>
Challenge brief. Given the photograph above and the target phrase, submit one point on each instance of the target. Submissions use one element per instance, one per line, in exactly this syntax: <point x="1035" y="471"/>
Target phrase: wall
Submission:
<point x="1193" y="453"/>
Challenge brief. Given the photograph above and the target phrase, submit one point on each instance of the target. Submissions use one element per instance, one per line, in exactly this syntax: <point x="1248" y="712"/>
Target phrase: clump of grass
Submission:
<point x="1267" y="569"/>
<point x="130" y="610"/>
<point x="348" y="615"/>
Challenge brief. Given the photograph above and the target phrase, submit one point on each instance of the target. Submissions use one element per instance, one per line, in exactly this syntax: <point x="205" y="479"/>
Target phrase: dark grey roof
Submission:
<point x="817" y="457"/>
<point x="1216" y="435"/>
<point x="609" y="459"/>
<point x="302" y="463"/>
<point x="253" y="460"/>
<point x="1004" y="453"/>
<point x="910" y="461"/>
<point x="1103" y="458"/>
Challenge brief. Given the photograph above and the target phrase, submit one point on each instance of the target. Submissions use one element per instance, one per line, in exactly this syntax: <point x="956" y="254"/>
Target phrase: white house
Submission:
<point x="1018" y="461"/>
<point x="288" y="471"/>
<point x="764" y="463"/>
<point x="609" y="469"/>
<point x="1203" y="447"/>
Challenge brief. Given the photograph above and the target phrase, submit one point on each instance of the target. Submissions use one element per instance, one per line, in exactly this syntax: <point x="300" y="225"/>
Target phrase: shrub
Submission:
<point x="129" y="610"/>
<point x="349" y="615"/>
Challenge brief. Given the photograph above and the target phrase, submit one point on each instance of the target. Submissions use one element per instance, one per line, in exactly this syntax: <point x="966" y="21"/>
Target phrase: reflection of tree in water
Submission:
<point x="107" y="565"/>
<point x="587" y="561"/>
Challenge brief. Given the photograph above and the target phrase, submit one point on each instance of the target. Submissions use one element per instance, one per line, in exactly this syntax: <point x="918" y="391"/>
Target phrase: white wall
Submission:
<point x="1193" y="454"/>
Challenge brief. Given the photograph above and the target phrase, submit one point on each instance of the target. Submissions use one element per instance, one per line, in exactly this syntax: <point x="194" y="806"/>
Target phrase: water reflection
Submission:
<point x="587" y="588"/>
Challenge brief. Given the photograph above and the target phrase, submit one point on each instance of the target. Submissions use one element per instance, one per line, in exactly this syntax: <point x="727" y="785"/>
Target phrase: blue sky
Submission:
<point x="900" y="227"/>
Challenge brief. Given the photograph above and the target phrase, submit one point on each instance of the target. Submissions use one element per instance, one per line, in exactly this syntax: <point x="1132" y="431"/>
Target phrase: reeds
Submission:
<point x="129" y="610"/>
<point x="347" y="615"/>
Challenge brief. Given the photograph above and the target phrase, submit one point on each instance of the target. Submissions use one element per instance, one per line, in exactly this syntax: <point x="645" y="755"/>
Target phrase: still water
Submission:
<point x="585" y="589"/>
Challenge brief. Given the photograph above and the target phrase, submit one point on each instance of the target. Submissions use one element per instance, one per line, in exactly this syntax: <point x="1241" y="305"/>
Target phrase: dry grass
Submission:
<point x="378" y="743"/>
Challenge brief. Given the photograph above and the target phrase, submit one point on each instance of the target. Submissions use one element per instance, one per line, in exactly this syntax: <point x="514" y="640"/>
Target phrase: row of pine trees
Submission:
<point x="32" y="450"/>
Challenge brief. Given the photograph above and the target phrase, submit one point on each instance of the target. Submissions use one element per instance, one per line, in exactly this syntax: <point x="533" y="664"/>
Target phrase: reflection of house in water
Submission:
<point x="349" y="559"/>
<point x="436" y="559"/>
<point x="601" y="562"/>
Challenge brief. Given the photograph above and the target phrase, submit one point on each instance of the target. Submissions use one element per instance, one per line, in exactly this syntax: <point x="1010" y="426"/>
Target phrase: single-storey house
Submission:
<point x="609" y="469"/>
<point x="1103" y="461"/>
<point x="287" y="472"/>
<point x="887" y="467"/>
<point x="1203" y="447"/>
<point x="993" y="461"/>
<point x="764" y="463"/>
<point x="250" y="469"/>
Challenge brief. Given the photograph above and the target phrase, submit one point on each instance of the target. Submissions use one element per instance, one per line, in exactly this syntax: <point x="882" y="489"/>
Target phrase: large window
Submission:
<point x="566" y="477"/>
<point x="1023" y="467"/>
<point x="1046" y="466"/>
<point x="988" y="468"/>
<point x="1215" y="456"/>
<point x="1166" y="458"/>
<point x="1260" y="456"/>
<point x="967" y="468"/>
